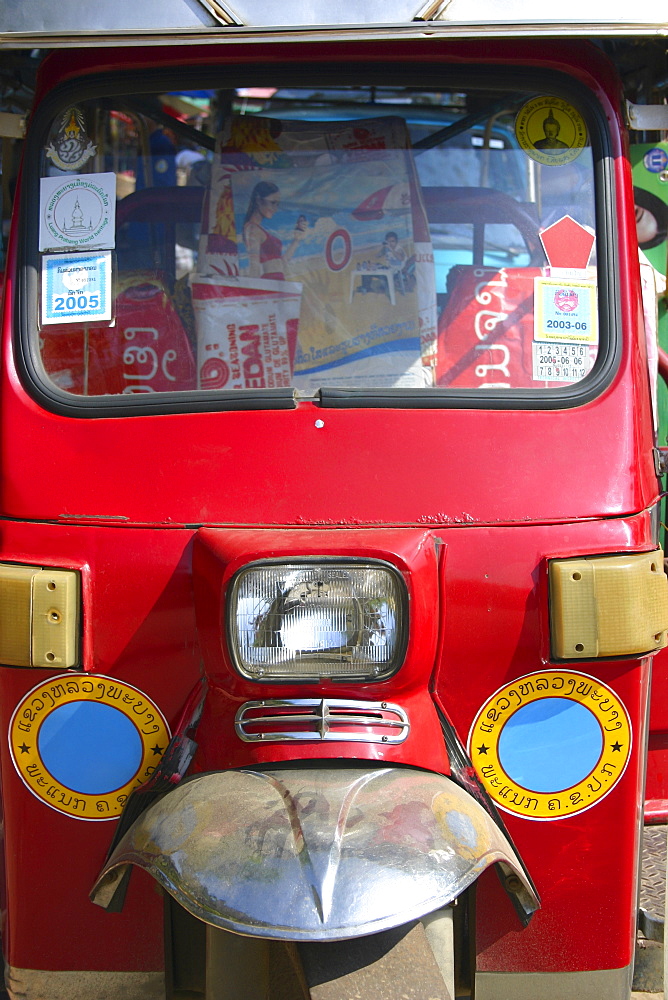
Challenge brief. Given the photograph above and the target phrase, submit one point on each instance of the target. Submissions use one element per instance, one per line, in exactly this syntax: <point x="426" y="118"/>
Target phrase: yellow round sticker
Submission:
<point x="82" y="742"/>
<point x="550" y="130"/>
<point x="550" y="744"/>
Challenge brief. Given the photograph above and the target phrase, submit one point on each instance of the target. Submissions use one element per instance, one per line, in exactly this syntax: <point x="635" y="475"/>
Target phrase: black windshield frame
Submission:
<point x="425" y="76"/>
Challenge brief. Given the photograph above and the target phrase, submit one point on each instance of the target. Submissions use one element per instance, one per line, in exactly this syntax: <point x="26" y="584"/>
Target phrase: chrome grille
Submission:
<point x="316" y="719"/>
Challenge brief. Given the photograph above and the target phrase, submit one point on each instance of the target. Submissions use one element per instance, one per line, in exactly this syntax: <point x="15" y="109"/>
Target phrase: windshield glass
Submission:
<point x="352" y="238"/>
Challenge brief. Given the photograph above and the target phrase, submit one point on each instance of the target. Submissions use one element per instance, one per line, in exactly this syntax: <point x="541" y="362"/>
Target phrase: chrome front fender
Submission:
<point x="314" y="855"/>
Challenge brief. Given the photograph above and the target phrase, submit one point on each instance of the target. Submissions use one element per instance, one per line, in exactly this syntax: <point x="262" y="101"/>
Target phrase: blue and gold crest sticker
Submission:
<point x="69" y="147"/>
<point x="551" y="744"/>
<point x="82" y="743"/>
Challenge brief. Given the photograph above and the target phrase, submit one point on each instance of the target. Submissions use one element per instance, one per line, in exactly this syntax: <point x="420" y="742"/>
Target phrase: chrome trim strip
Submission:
<point x="327" y="716"/>
<point x="223" y="14"/>
<point x="433" y="29"/>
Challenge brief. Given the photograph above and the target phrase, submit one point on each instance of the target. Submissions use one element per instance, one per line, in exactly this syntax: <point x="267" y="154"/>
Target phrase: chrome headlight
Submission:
<point x="331" y="618"/>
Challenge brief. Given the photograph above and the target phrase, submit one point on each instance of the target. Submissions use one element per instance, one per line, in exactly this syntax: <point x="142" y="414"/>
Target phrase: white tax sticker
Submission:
<point x="76" y="287"/>
<point x="78" y="212"/>
<point x="565" y="311"/>
<point x="561" y="362"/>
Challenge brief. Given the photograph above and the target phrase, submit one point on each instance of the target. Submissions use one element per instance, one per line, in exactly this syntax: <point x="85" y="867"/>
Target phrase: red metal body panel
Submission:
<point x="491" y="614"/>
<point x="468" y="504"/>
<point x="656" y="791"/>
<point x="142" y="590"/>
<point x="262" y="455"/>
<point x="219" y="554"/>
<point x="125" y="459"/>
<point x="496" y="593"/>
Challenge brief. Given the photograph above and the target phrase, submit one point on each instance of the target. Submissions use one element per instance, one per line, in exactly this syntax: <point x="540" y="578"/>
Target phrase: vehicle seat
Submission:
<point x="482" y="207"/>
<point x="163" y="210"/>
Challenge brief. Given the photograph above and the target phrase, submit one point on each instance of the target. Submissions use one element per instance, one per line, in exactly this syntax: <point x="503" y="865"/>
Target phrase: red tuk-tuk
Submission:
<point x="330" y="562"/>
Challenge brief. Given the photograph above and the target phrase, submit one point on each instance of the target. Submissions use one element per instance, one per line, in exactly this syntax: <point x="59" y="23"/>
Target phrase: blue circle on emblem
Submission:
<point x="89" y="747"/>
<point x="550" y="744"/>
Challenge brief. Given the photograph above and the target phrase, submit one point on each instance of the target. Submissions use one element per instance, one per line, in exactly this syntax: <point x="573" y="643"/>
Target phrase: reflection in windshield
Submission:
<point x="350" y="238"/>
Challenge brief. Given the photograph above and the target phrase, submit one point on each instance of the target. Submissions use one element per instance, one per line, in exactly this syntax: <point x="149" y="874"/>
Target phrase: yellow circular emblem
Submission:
<point x="82" y="742"/>
<point x="550" y="131"/>
<point x="551" y="744"/>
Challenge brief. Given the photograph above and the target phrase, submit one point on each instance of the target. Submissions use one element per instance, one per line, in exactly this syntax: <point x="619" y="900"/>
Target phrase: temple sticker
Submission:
<point x="82" y="743"/>
<point x="551" y="744"/>
<point x="78" y="212"/>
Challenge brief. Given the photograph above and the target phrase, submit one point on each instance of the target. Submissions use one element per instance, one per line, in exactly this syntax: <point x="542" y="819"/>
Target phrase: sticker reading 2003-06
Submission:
<point x="551" y="744"/>
<point x="82" y="742"/>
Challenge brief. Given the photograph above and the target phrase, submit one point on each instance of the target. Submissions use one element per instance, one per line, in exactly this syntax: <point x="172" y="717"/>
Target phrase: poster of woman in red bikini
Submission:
<point x="265" y="250"/>
<point x="297" y="211"/>
<point x="320" y="224"/>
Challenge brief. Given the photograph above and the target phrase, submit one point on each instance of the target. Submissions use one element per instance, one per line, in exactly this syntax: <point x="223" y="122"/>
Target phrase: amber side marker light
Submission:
<point x="603" y="606"/>
<point x="39" y="616"/>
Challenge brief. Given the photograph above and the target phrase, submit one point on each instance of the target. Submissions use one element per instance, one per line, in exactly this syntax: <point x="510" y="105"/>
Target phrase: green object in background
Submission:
<point x="650" y="183"/>
<point x="662" y="389"/>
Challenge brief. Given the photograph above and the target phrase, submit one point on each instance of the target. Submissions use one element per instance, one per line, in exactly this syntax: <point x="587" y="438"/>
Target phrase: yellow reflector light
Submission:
<point x="603" y="606"/>
<point x="39" y="616"/>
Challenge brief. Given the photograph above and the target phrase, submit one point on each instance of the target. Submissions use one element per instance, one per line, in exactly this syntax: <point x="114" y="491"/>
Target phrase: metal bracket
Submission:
<point x="222" y="13"/>
<point x="12" y="126"/>
<point x="432" y="10"/>
<point x="647" y="117"/>
<point x="661" y="461"/>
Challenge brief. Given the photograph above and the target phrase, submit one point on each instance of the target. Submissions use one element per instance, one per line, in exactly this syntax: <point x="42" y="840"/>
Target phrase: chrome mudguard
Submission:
<point x="311" y="854"/>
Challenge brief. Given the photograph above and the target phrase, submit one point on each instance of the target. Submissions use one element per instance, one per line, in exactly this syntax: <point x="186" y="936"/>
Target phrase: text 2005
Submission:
<point x="72" y="302"/>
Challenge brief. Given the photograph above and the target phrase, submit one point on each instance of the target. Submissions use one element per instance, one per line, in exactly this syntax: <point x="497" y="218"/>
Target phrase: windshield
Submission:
<point x="351" y="238"/>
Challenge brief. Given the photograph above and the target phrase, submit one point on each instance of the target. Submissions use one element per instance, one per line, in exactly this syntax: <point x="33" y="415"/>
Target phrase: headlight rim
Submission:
<point x="371" y="562"/>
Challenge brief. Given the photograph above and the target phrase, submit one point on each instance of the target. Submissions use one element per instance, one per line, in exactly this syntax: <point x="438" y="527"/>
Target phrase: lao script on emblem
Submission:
<point x="551" y="744"/>
<point x="82" y="743"/>
<point x="77" y="212"/>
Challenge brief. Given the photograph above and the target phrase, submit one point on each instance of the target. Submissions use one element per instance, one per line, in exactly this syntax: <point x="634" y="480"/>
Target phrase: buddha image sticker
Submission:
<point x="551" y="744"/>
<point x="78" y="212"/>
<point x="76" y="287"/>
<point x="550" y="131"/>
<point x="82" y="743"/>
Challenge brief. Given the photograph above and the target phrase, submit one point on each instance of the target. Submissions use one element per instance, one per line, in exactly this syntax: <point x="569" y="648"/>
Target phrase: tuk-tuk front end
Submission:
<point x="330" y="563"/>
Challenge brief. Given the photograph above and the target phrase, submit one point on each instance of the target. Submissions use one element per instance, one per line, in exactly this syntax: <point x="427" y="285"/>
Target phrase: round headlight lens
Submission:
<point x="317" y="619"/>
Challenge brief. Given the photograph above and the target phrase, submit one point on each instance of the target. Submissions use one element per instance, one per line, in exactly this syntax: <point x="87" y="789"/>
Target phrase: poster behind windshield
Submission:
<point x="334" y="208"/>
<point x="345" y="232"/>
